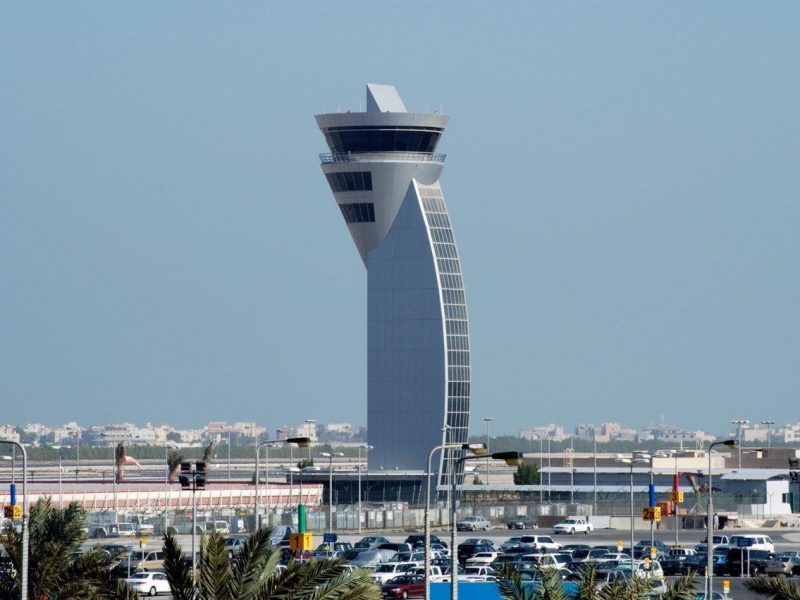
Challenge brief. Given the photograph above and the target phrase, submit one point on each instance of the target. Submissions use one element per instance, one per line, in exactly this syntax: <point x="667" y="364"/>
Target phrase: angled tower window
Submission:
<point x="361" y="212"/>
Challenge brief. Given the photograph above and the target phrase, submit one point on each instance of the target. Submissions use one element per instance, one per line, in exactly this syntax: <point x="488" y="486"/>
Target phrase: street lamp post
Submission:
<point x="301" y="442"/>
<point x="329" y="456"/>
<point x="487" y="420"/>
<point x="740" y="424"/>
<point x="229" y="454"/>
<point x="511" y="459"/>
<point x="427" y="515"/>
<point x="77" y="455"/>
<point x="633" y="460"/>
<point x="549" y="471"/>
<point x="60" y="489"/>
<point x="541" y="465"/>
<point x="710" y="518"/>
<point x="769" y="425"/>
<point x="367" y="448"/>
<point x="25" y="534"/>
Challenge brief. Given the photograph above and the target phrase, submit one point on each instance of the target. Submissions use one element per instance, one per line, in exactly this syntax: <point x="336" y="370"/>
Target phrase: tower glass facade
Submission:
<point x="385" y="178"/>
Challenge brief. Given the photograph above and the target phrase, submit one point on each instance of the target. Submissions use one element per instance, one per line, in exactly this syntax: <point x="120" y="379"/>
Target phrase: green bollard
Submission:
<point x="301" y="518"/>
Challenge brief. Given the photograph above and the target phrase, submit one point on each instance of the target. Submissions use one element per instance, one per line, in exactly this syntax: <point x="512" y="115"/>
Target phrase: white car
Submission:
<point x="383" y="573"/>
<point x="482" y="558"/>
<point x="758" y="542"/>
<point x="478" y="571"/>
<point x="646" y="569"/>
<point x="473" y="523"/>
<point x="149" y="583"/>
<point x="545" y="542"/>
<point x="573" y="525"/>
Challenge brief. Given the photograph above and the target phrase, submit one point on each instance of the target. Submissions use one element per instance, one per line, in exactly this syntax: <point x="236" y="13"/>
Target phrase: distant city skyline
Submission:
<point x="621" y="178"/>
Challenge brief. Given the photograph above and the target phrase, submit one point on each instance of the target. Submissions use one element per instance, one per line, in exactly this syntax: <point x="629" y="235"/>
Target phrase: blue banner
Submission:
<point x="13" y="493"/>
<point x="652" y="492"/>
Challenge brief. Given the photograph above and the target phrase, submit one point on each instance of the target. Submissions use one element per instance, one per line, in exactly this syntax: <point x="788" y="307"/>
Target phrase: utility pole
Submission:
<point x="193" y="479"/>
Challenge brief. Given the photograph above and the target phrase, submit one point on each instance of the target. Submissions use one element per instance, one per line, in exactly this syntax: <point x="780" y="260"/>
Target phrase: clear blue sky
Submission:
<point x="622" y="177"/>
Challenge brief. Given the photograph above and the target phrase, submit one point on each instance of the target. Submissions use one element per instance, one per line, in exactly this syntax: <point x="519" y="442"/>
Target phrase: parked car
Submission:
<point x="512" y="542"/>
<point x="755" y="561"/>
<point x="572" y="548"/>
<point x="386" y="571"/>
<point x="716" y="540"/>
<point x="481" y="558"/>
<point x="404" y="586"/>
<point x="758" y="542"/>
<point x="591" y="555"/>
<point x="521" y="522"/>
<point x="112" y="530"/>
<point x="678" y="565"/>
<point x="549" y="561"/>
<point x="544" y="542"/>
<point x="368" y="558"/>
<point x="371" y="541"/>
<point x="473" y="523"/>
<point x="573" y="525"/>
<point x="484" y="541"/>
<point x="149" y="584"/>
<point x="681" y="552"/>
<point x="234" y="545"/>
<point x="467" y="551"/>
<point x="479" y="571"/>
<point x="140" y="560"/>
<point x="642" y="549"/>
<point x="396" y="547"/>
<point x="785" y="564"/>
<point x="416" y="541"/>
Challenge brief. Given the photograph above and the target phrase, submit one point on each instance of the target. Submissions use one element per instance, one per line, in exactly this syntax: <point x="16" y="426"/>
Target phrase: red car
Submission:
<point x="404" y="586"/>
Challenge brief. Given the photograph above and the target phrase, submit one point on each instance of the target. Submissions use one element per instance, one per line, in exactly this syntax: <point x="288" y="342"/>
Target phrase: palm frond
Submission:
<point x="779" y="589"/>
<point x="179" y="573"/>
<point x="253" y="565"/>
<point x="587" y="583"/>
<point x="215" y="570"/>
<point x="552" y="587"/>
<point x="682" y="588"/>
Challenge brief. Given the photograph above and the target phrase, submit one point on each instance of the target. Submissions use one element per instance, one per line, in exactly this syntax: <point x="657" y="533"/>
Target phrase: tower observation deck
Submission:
<point x="384" y="172"/>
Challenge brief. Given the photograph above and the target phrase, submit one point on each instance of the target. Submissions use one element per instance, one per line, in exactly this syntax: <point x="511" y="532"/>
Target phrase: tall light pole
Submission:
<point x="229" y="454"/>
<point x="549" y="471"/>
<point x="511" y="459"/>
<point x="740" y="424"/>
<point x="710" y="518"/>
<point x="769" y="425"/>
<point x="487" y="420"/>
<point x="329" y="456"/>
<point x="301" y="442"/>
<point x="427" y="520"/>
<point x="23" y="594"/>
<point x="541" y="465"/>
<point x="60" y="490"/>
<point x="367" y="448"/>
<point x="633" y="460"/>
<point x="77" y="454"/>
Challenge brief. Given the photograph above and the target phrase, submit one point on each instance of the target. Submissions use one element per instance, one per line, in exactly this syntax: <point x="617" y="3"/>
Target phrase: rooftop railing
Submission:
<point x="344" y="157"/>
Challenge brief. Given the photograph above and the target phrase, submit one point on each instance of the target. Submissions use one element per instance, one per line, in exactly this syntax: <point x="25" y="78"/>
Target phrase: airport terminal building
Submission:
<point x="383" y="170"/>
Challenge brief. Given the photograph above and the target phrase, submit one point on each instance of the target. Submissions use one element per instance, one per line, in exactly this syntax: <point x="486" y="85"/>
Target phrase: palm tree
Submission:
<point x="778" y="589"/>
<point x="174" y="460"/>
<point x="56" y="570"/>
<point x="253" y="574"/>
<point x="551" y="587"/>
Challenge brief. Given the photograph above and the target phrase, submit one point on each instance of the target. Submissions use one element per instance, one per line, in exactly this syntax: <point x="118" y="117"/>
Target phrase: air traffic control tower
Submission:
<point x="384" y="172"/>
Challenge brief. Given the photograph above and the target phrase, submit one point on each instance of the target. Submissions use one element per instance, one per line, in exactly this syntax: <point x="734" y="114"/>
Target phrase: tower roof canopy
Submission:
<point x="383" y="98"/>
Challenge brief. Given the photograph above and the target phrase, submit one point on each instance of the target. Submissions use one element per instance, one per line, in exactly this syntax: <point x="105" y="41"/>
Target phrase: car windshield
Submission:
<point x="385" y="569"/>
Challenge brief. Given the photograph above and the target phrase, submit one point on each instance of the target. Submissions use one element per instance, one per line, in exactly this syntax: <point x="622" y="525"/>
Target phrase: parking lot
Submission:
<point x="783" y="540"/>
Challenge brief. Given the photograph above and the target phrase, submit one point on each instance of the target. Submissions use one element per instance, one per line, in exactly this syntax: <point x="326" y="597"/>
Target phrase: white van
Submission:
<point x="760" y="542"/>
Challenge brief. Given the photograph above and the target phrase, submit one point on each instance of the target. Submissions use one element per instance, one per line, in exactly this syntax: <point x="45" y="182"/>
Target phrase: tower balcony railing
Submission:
<point x="345" y="157"/>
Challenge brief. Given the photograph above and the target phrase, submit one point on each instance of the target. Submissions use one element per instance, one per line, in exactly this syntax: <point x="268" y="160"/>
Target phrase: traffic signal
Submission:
<point x="200" y="475"/>
<point x="185" y="476"/>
